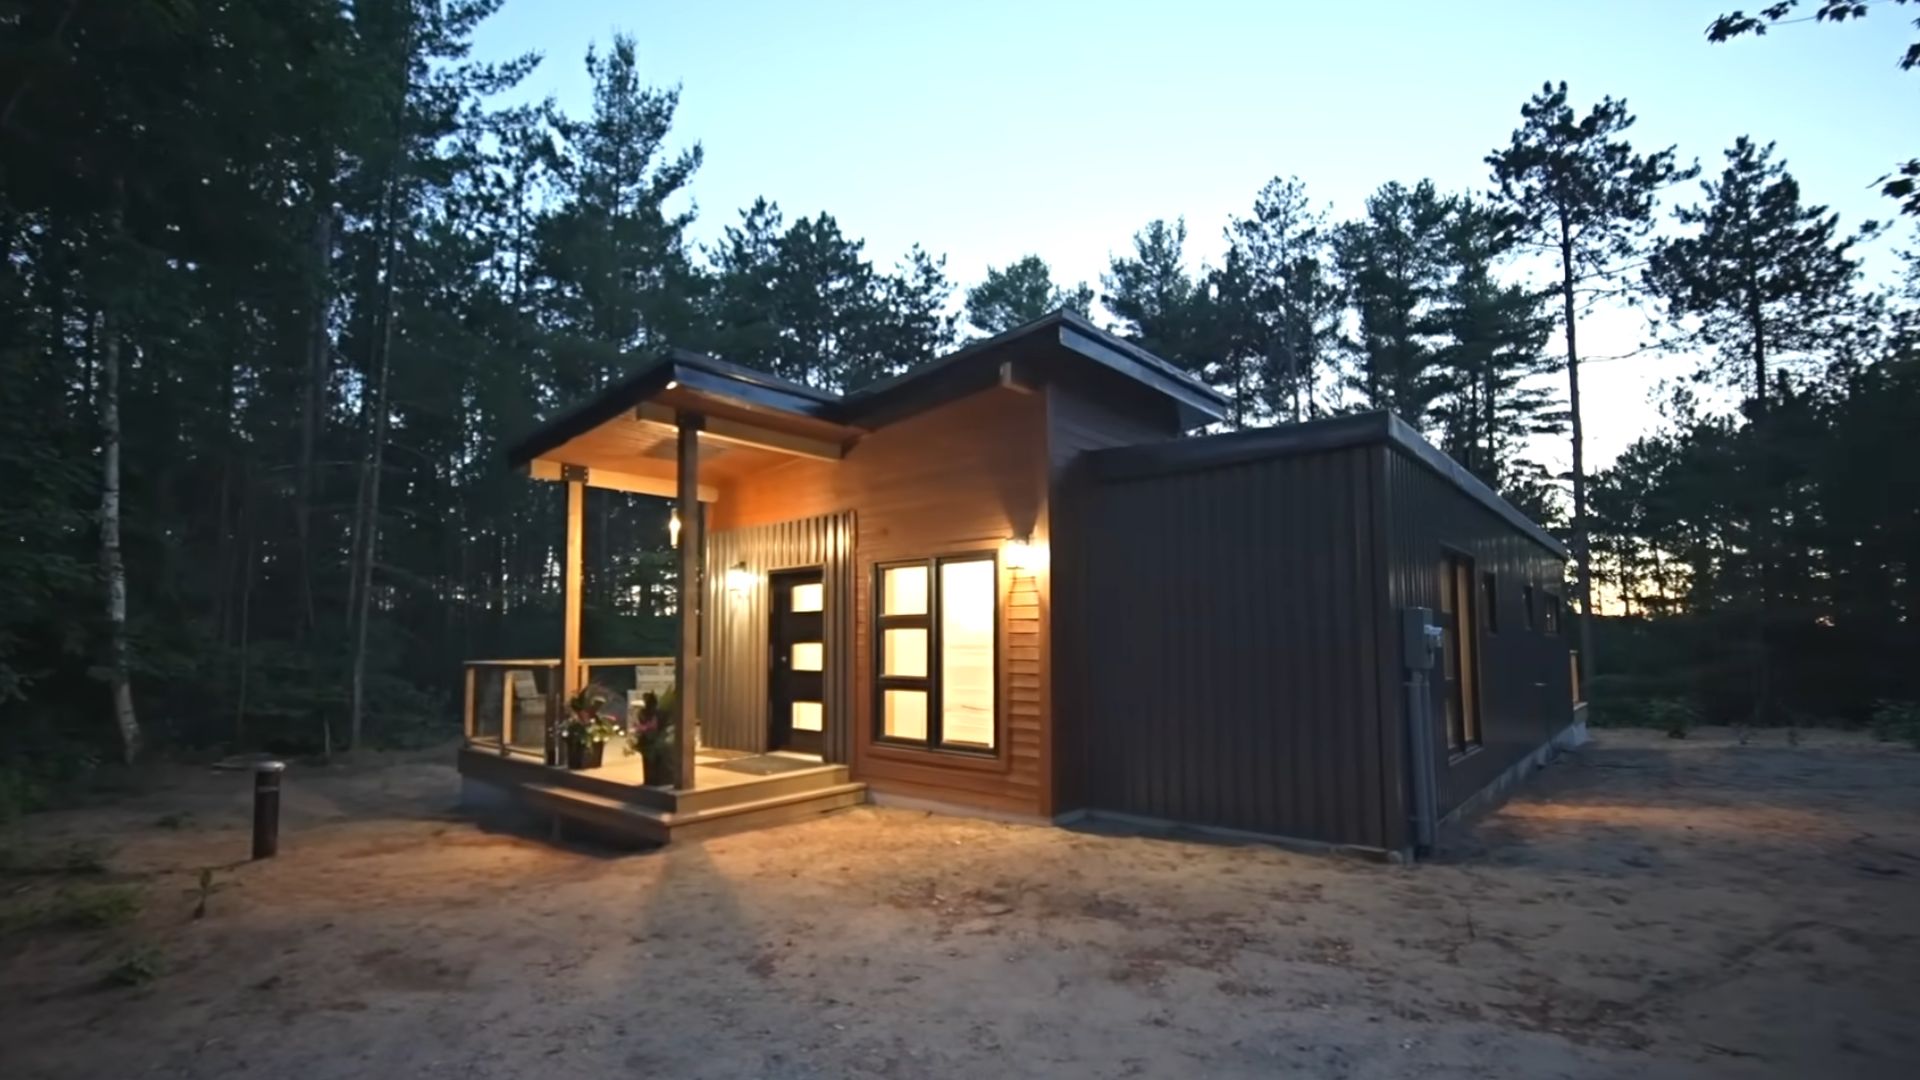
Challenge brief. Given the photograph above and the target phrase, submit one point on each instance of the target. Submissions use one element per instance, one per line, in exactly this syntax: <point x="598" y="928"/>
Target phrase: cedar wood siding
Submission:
<point x="1526" y="696"/>
<point x="959" y="478"/>
<point x="1080" y="419"/>
<point x="1230" y="652"/>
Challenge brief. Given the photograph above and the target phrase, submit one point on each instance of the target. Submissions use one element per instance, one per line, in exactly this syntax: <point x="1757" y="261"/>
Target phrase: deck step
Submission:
<point x="632" y="821"/>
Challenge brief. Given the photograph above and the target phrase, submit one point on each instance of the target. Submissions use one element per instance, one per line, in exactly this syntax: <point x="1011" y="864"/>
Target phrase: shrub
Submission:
<point x="1675" y="716"/>
<point x="137" y="967"/>
<point x="1897" y="721"/>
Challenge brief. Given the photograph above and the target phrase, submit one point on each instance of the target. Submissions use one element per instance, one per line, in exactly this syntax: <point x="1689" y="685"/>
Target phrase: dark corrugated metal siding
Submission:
<point x="1226" y="647"/>
<point x="1524" y="691"/>
<point x="733" y="668"/>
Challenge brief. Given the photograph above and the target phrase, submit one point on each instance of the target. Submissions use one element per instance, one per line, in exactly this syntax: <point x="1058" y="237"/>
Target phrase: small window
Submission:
<point x="808" y="716"/>
<point x="1551" y="616"/>
<point x="1490" y="602"/>
<point x="937" y="628"/>
<point x="1527" y="613"/>
<point x="808" y="656"/>
<point x="1459" y="686"/>
<point x="811" y="596"/>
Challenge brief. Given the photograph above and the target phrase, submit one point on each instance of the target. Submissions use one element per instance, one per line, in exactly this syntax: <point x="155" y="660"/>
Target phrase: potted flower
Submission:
<point x="652" y="737"/>
<point x="588" y="728"/>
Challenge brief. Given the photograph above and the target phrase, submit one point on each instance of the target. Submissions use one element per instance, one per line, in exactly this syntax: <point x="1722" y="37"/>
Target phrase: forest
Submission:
<point x="282" y="279"/>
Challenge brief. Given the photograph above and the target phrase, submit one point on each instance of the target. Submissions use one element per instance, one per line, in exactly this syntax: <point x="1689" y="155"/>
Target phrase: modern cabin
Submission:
<point x="1014" y="583"/>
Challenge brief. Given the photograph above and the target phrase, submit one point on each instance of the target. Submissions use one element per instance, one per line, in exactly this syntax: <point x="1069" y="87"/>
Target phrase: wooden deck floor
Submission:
<point x="612" y="798"/>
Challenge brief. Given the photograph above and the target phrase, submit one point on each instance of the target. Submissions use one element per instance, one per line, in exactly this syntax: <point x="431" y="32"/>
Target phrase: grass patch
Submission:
<point x="93" y="908"/>
<point x="137" y="967"/>
<point x="79" y="858"/>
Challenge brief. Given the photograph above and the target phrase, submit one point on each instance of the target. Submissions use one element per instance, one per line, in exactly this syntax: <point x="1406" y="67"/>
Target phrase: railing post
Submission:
<point x="467" y="717"/>
<point x="506" y="710"/>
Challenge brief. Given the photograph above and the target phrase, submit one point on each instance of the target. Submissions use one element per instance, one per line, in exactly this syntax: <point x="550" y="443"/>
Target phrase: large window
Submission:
<point x="936" y="625"/>
<point x="1460" y="660"/>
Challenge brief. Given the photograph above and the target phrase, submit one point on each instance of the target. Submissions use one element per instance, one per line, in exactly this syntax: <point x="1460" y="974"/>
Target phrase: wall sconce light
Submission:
<point x="673" y="527"/>
<point x="739" y="578"/>
<point x="1018" y="553"/>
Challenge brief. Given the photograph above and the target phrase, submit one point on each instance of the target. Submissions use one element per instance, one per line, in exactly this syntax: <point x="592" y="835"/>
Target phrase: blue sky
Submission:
<point x="988" y="130"/>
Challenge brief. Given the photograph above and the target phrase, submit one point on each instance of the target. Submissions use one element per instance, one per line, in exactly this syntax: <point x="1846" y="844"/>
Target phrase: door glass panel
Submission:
<point x="903" y="591"/>
<point x="903" y="652"/>
<point x="806" y="716"/>
<point x="966" y="652"/>
<point x="904" y="714"/>
<point x="807" y="656"/>
<point x="809" y="597"/>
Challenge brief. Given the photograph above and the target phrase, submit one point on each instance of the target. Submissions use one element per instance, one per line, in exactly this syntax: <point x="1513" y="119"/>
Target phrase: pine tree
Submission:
<point x="1581" y="194"/>
<point x="1390" y="268"/>
<point x="1019" y="293"/>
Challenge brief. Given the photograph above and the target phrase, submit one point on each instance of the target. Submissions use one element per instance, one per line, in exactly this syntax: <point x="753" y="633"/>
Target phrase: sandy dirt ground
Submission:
<point x="1645" y="908"/>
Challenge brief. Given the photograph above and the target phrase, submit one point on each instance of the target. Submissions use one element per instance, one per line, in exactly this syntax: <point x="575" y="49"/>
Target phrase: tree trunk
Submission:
<point x="367" y="528"/>
<point x="112" y="565"/>
<point x="1762" y="520"/>
<point x="319" y="370"/>
<point x="1582" y="554"/>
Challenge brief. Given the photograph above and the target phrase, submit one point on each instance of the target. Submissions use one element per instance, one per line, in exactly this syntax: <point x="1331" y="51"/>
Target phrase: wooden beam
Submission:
<point x="664" y="487"/>
<point x="468" y="718"/>
<point x="693" y="549"/>
<point x="570" y="584"/>
<point x="735" y="433"/>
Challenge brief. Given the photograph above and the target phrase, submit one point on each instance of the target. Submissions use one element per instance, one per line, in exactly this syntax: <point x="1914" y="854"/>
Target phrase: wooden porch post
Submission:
<point x="570" y="637"/>
<point x="693" y="545"/>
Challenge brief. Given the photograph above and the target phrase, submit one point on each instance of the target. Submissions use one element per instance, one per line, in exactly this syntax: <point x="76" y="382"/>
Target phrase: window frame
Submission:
<point x="1527" y="604"/>
<point x="1555" y="614"/>
<point x="930" y="683"/>
<point x="1490" y="593"/>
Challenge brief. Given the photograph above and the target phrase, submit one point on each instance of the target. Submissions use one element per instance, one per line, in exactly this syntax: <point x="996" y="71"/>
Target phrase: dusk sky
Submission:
<point x="988" y="130"/>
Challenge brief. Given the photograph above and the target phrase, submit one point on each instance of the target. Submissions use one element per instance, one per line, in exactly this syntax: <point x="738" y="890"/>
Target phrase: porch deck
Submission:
<point x="612" y="803"/>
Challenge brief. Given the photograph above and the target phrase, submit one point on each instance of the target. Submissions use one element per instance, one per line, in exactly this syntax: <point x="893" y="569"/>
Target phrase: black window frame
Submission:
<point x="1555" y="614"/>
<point x="1528" y="614"/>
<point x="1490" y="595"/>
<point x="930" y="683"/>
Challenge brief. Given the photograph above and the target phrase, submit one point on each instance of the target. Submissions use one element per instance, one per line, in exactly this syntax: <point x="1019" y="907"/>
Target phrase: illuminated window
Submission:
<point x="937" y="623"/>
<point x="808" y="656"/>
<point x="809" y="597"/>
<point x="807" y="716"/>
<point x="1460" y="653"/>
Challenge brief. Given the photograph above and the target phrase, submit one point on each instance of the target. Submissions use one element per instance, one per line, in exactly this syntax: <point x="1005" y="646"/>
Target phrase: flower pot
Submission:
<point x="582" y="754"/>
<point x="659" y="770"/>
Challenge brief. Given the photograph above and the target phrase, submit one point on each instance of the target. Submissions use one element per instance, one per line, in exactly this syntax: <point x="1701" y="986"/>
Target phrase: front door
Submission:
<point x="798" y="661"/>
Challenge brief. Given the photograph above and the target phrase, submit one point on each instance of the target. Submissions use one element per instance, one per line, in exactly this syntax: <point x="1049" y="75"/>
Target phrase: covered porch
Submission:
<point x="686" y="428"/>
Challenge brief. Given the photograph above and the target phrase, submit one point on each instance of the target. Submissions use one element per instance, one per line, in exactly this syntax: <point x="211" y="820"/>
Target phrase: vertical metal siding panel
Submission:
<point x="734" y="665"/>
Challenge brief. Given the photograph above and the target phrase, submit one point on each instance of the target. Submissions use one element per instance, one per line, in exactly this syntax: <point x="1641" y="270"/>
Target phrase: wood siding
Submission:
<point x="959" y="478"/>
<point x="1224" y="649"/>
<point x="1525" y="691"/>
<point x="734" y="658"/>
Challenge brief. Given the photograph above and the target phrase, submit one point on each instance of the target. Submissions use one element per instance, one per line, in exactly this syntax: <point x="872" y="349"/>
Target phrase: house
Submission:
<point x="1012" y="583"/>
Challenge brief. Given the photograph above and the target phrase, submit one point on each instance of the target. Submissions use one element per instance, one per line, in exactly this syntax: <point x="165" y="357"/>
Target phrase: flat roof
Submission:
<point x="1335" y="433"/>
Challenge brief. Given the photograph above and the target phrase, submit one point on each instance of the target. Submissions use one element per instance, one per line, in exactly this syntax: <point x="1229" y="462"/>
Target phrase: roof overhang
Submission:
<point x="624" y="437"/>
<point x="1217" y="451"/>
<point x="1034" y="347"/>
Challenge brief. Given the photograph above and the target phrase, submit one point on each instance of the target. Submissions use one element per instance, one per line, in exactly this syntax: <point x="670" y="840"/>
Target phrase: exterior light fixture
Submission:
<point x="739" y="578"/>
<point x="1018" y="553"/>
<point x="673" y="384"/>
<point x="673" y="527"/>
